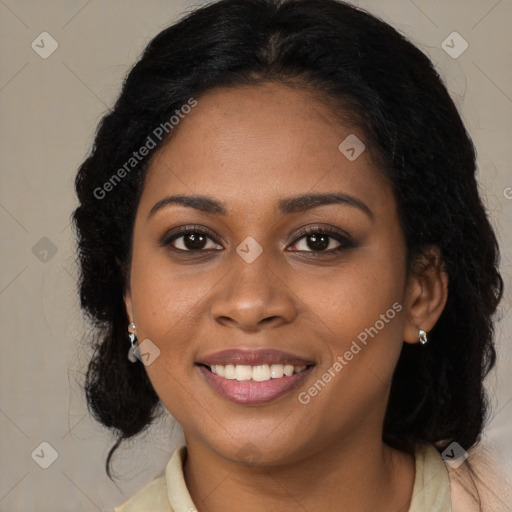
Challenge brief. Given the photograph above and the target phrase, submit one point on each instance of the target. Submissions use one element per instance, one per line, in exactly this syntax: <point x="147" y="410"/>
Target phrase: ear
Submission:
<point x="426" y="293"/>
<point x="127" y="293"/>
<point x="128" y="304"/>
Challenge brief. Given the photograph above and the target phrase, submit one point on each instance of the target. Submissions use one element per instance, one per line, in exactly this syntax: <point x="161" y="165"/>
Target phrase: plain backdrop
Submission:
<point x="49" y="110"/>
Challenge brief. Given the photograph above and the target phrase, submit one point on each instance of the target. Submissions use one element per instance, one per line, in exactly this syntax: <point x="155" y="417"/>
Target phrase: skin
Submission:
<point x="249" y="148"/>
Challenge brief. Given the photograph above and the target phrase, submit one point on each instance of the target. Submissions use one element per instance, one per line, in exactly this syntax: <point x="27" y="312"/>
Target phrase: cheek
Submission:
<point x="163" y="304"/>
<point x="166" y="306"/>
<point x="360" y="321"/>
<point x="354" y="295"/>
<point x="359" y="311"/>
<point x="165" y="295"/>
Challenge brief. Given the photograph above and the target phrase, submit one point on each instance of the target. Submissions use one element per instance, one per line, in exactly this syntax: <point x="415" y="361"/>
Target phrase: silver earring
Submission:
<point x="422" y="336"/>
<point x="133" y="342"/>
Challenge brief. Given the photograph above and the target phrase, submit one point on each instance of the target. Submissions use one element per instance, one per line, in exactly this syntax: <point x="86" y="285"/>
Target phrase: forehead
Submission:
<point x="250" y="146"/>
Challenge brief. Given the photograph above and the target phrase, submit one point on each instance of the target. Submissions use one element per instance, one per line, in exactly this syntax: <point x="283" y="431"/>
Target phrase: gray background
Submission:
<point x="49" y="109"/>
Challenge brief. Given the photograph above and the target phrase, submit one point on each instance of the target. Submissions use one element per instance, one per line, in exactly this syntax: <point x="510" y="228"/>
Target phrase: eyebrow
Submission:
<point x="285" y="206"/>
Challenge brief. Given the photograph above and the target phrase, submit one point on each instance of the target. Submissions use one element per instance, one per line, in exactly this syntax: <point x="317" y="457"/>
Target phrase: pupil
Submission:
<point x="194" y="241"/>
<point x="318" y="242"/>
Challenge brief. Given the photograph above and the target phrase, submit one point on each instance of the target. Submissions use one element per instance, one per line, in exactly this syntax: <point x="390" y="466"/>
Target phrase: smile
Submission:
<point x="259" y="373"/>
<point x="253" y="385"/>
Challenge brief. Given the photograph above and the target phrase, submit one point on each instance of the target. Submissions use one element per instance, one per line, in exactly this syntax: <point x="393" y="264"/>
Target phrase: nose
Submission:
<point x="253" y="296"/>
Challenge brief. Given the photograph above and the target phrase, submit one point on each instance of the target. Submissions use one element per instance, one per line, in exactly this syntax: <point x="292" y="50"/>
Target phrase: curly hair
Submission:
<point x="369" y="73"/>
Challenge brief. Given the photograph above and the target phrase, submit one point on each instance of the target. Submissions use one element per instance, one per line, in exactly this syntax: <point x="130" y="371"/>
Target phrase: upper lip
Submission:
<point x="254" y="357"/>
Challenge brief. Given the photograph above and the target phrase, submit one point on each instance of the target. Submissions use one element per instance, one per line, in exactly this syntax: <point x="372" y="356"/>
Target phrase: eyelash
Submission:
<point x="344" y="240"/>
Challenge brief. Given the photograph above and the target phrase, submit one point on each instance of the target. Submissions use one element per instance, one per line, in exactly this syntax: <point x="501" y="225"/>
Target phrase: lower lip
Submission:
<point x="250" y="392"/>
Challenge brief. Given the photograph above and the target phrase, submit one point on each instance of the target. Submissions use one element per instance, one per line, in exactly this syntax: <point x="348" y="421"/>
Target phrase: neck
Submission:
<point x="363" y="476"/>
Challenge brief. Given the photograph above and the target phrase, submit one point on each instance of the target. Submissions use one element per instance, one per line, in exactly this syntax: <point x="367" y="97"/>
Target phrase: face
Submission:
<point x="253" y="268"/>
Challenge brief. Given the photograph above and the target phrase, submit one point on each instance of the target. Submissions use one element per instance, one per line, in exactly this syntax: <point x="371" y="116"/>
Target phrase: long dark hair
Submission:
<point x="371" y="75"/>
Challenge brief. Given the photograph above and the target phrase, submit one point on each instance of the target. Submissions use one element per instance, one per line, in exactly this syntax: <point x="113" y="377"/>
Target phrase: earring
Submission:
<point x="133" y="341"/>
<point x="422" y="336"/>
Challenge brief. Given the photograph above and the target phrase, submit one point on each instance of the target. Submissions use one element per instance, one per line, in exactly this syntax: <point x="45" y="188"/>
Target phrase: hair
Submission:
<point x="388" y="88"/>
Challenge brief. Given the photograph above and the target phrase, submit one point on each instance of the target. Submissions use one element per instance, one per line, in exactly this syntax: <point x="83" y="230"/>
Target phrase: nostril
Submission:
<point x="268" y="319"/>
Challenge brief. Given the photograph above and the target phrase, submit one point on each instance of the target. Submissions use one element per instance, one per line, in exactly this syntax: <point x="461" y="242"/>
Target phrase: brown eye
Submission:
<point x="317" y="242"/>
<point x="191" y="239"/>
<point x="321" y="240"/>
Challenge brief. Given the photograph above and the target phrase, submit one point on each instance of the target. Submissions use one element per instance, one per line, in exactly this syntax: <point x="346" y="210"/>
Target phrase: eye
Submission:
<point x="322" y="240"/>
<point x="191" y="239"/>
<point x="314" y="240"/>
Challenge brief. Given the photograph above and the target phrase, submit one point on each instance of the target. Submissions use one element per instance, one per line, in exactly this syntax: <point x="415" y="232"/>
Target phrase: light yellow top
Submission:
<point x="169" y="492"/>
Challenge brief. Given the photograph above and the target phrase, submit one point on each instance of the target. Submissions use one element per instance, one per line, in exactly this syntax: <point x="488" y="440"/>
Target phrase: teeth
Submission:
<point x="260" y="373"/>
<point x="229" y="371"/>
<point x="288" y="370"/>
<point x="243" y="372"/>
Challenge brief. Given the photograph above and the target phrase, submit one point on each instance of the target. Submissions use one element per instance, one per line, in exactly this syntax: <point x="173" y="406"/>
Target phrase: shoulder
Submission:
<point x="431" y="483"/>
<point x="152" y="497"/>
<point x="163" y="492"/>
<point x="480" y="483"/>
<point x="449" y="482"/>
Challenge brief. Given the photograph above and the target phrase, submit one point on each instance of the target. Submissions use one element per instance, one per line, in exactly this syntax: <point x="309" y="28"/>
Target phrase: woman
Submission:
<point x="280" y="218"/>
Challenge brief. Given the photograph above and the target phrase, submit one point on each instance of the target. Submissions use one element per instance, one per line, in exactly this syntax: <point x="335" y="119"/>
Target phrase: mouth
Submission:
<point x="257" y="373"/>
<point x="254" y="376"/>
